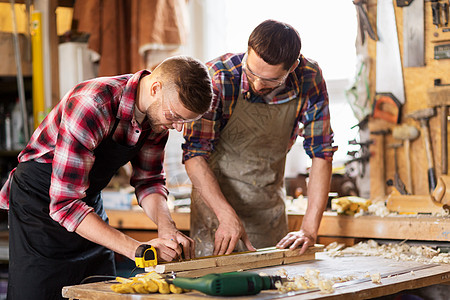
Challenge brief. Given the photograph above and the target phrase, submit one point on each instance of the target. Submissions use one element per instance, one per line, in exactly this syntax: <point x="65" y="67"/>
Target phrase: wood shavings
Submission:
<point x="379" y="209"/>
<point x="399" y="252"/>
<point x="310" y="280"/>
<point x="326" y="286"/>
<point x="376" y="278"/>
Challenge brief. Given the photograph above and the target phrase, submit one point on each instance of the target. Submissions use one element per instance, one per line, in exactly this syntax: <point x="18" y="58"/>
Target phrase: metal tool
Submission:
<point x="436" y="12"/>
<point x="444" y="10"/>
<point x="423" y="116"/>
<point x="389" y="75"/>
<point x="146" y="256"/>
<point x="413" y="33"/>
<point x="227" y="284"/>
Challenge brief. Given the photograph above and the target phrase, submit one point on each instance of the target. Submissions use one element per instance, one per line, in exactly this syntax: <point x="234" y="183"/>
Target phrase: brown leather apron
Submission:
<point x="249" y="162"/>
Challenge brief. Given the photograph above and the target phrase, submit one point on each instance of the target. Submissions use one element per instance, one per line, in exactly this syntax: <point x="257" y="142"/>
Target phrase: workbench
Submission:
<point x="396" y="276"/>
<point x="333" y="227"/>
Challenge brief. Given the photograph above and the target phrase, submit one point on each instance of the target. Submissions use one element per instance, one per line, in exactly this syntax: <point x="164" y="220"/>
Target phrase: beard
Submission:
<point x="152" y="119"/>
<point x="261" y="92"/>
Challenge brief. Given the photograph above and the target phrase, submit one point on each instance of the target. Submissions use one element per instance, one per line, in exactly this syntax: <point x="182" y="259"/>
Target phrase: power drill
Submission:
<point x="228" y="284"/>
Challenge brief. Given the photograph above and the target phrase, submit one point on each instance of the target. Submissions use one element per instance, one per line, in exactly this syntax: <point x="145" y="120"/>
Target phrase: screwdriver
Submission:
<point x="227" y="284"/>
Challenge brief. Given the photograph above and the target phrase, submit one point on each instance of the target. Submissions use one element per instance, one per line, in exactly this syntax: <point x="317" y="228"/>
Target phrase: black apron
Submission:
<point x="43" y="256"/>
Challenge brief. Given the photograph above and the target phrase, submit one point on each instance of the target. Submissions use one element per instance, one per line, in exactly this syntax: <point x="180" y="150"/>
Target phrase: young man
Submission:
<point x="235" y="155"/>
<point x="59" y="233"/>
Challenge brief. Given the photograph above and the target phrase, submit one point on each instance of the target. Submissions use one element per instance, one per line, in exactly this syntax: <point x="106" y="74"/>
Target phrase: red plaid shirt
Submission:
<point x="74" y="128"/>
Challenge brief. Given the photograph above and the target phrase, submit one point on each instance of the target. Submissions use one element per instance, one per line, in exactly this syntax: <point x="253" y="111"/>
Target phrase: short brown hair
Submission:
<point x="276" y="43"/>
<point x="191" y="80"/>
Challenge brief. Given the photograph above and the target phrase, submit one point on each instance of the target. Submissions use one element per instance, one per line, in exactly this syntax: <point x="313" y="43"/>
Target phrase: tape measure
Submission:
<point x="145" y="256"/>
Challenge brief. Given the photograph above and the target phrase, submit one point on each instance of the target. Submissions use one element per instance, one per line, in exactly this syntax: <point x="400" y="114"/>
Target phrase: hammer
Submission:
<point x="423" y="115"/>
<point x="406" y="133"/>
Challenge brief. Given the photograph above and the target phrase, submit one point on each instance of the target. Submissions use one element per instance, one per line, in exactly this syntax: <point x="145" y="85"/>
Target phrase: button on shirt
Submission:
<point x="75" y="127"/>
<point x="305" y="83"/>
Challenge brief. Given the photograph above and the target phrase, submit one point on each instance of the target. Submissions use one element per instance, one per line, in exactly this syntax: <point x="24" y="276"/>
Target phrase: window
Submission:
<point x="328" y="32"/>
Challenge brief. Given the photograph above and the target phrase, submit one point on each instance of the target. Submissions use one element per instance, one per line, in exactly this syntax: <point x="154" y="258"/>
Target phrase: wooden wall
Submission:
<point x="417" y="80"/>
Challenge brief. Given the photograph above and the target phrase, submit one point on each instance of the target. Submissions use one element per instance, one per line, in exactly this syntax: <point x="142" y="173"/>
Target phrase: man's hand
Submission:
<point x="167" y="250"/>
<point x="186" y="243"/>
<point x="296" y="238"/>
<point x="229" y="232"/>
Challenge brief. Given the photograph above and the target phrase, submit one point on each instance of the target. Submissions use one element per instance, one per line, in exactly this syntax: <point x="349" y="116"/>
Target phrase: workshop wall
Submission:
<point x="417" y="81"/>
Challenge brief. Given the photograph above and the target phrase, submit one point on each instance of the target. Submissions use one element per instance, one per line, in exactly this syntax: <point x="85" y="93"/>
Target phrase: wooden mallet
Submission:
<point x="406" y="133"/>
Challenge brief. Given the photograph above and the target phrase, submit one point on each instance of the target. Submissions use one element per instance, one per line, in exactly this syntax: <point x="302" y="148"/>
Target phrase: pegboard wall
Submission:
<point x="417" y="82"/>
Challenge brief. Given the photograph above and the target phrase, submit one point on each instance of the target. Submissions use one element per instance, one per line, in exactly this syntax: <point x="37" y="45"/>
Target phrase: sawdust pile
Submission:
<point x="400" y="251"/>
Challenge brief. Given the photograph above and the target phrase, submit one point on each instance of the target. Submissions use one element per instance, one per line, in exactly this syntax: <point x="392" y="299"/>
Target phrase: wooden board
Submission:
<point x="328" y="267"/>
<point x="238" y="262"/>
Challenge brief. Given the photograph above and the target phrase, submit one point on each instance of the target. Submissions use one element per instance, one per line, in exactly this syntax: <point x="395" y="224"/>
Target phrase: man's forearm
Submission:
<point x="318" y="188"/>
<point x="155" y="207"/>
<point x="204" y="180"/>
<point x="94" y="229"/>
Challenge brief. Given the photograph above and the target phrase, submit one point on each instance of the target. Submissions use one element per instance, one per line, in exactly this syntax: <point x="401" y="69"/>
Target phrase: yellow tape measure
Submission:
<point x="146" y="256"/>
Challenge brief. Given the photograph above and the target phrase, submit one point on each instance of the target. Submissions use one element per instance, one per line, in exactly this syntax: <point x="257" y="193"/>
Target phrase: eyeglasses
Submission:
<point x="269" y="82"/>
<point x="171" y="116"/>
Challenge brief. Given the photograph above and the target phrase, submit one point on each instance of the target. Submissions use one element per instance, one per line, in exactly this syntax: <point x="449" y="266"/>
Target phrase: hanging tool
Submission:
<point x="364" y="23"/>
<point x="378" y="152"/>
<point x="406" y="133"/>
<point x="389" y="75"/>
<point x="423" y="116"/>
<point x="439" y="96"/>
<point x="146" y="256"/>
<point x="387" y="107"/>
<point x="413" y="32"/>
<point x="435" y="12"/>
<point x="227" y="284"/>
<point x="444" y="10"/>
<point x="397" y="183"/>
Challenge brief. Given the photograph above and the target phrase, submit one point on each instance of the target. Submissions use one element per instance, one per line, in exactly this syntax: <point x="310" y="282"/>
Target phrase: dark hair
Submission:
<point x="276" y="43"/>
<point x="191" y="80"/>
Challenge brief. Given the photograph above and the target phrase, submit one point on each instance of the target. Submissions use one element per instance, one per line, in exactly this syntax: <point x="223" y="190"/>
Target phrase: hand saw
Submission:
<point x="389" y="76"/>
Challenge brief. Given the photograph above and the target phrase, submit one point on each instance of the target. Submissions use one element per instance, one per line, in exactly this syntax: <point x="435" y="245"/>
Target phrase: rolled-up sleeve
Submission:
<point x="317" y="132"/>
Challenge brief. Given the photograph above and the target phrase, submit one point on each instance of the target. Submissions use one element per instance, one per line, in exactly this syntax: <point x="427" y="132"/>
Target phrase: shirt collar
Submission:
<point x="129" y="94"/>
<point x="290" y="91"/>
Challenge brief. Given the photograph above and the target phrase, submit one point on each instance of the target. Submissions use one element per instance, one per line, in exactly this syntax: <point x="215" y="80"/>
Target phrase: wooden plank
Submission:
<point x="238" y="261"/>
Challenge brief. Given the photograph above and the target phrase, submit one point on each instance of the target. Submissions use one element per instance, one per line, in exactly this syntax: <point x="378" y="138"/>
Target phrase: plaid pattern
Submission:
<point x="305" y="85"/>
<point x="74" y="128"/>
